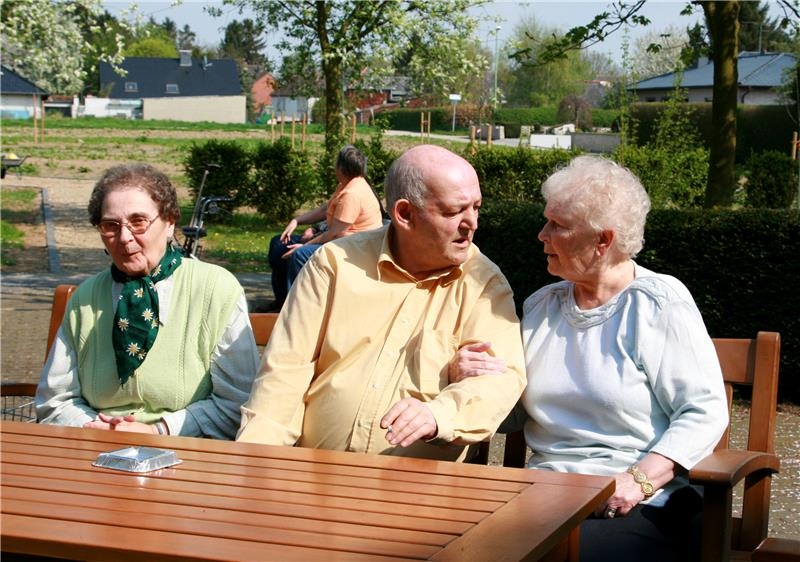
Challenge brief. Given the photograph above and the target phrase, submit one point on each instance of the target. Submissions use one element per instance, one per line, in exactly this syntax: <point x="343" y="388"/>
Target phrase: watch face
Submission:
<point x="647" y="489"/>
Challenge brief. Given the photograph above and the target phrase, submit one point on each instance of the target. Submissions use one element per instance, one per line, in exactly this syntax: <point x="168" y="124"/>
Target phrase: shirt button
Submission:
<point x="376" y="385"/>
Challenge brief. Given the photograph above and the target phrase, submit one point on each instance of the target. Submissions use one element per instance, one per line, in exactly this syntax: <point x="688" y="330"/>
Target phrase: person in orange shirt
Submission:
<point x="353" y="208"/>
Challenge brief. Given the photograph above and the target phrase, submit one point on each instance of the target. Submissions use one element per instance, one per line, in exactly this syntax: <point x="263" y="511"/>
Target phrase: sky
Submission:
<point x="563" y="15"/>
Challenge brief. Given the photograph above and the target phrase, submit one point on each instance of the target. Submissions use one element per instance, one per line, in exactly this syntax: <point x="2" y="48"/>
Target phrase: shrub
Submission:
<point x="575" y="109"/>
<point x="378" y="161"/>
<point x="771" y="180"/>
<point x="672" y="178"/>
<point x="758" y="127"/>
<point x="282" y="180"/>
<point x="514" y="174"/>
<point x="230" y="179"/>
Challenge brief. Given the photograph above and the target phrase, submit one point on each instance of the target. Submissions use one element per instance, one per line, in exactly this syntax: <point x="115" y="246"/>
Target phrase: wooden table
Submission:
<point x="242" y="501"/>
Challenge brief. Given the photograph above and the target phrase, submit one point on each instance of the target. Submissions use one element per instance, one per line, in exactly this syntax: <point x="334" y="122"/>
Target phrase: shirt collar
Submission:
<point x="387" y="264"/>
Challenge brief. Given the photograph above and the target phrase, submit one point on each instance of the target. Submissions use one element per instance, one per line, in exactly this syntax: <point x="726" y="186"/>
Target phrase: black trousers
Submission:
<point x="279" y="267"/>
<point x="647" y="534"/>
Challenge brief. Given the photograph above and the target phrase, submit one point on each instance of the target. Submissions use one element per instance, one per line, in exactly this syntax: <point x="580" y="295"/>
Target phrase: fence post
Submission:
<point x="303" y="136"/>
<point x="429" y="126"/>
<point x="35" y="129"/>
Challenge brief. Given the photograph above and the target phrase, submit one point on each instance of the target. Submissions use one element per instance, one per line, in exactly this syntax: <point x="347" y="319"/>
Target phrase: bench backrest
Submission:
<point x="262" y="322"/>
<point x="745" y="362"/>
<point x="18" y="396"/>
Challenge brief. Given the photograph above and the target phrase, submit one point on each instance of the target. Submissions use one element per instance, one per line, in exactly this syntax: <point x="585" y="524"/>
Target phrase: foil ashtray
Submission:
<point x="137" y="459"/>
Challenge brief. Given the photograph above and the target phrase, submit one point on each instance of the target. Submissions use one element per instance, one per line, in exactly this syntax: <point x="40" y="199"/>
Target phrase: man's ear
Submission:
<point x="403" y="213"/>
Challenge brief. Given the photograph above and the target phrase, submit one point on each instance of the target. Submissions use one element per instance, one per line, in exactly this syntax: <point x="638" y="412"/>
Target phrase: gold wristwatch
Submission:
<point x="641" y="478"/>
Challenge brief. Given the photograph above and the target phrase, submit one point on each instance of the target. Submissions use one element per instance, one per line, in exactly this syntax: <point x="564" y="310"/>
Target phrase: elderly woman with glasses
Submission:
<point x="156" y="343"/>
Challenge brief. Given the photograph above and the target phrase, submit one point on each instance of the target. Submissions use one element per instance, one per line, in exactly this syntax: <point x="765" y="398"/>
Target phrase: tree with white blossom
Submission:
<point x="43" y="41"/>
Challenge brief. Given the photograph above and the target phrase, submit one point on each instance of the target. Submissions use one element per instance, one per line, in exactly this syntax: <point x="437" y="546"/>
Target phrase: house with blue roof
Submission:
<point x="181" y="89"/>
<point x="760" y="76"/>
<point x="18" y="96"/>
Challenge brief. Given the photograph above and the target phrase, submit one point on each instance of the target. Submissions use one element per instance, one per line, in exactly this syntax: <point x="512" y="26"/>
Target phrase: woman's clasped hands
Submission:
<point x="120" y="423"/>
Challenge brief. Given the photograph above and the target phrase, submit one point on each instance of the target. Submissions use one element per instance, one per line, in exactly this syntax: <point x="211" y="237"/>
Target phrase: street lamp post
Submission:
<point x="496" y="61"/>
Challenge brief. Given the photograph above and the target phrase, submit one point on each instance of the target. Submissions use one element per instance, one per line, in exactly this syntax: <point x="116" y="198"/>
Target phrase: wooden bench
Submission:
<point x="774" y="549"/>
<point x="17" y="397"/>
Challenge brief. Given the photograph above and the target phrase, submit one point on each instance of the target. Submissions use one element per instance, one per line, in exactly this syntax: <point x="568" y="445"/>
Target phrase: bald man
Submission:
<point x="360" y="355"/>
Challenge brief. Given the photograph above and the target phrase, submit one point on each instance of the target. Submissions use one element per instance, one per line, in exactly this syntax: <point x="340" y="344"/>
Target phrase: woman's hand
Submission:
<point x="292" y="248"/>
<point x="627" y="495"/>
<point x="474" y="359"/>
<point x="287" y="232"/>
<point x="307" y="235"/>
<point x="120" y="423"/>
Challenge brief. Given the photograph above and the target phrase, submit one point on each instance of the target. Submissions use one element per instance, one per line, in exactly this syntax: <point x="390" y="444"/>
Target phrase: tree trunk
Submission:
<point x="723" y="25"/>
<point x="334" y="117"/>
<point x="334" y="95"/>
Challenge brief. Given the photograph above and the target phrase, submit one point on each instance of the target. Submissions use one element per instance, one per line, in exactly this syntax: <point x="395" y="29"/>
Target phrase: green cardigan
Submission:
<point x="176" y="375"/>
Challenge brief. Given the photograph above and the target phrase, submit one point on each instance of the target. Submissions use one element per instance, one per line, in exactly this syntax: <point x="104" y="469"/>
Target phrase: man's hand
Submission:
<point x="474" y="359"/>
<point x="408" y="421"/>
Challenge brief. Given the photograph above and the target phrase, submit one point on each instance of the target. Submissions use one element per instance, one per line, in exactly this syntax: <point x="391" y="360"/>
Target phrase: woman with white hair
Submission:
<point x="623" y="378"/>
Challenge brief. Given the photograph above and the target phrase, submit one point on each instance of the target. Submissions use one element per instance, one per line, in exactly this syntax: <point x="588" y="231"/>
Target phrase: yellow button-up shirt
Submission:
<point x="359" y="333"/>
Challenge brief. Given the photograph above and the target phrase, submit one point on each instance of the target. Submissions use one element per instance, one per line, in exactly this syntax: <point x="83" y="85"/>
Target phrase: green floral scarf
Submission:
<point x="136" y="321"/>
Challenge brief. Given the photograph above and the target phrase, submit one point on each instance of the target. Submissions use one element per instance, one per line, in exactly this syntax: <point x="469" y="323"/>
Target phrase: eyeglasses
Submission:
<point x="137" y="225"/>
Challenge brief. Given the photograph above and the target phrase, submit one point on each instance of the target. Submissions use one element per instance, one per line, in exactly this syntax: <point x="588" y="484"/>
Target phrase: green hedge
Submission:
<point x="408" y="119"/>
<point x="741" y="267"/>
<point x="758" y="127"/>
<point x="514" y="173"/>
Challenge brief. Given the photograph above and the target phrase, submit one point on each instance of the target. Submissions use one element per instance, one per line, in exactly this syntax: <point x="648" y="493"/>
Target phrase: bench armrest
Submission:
<point x="728" y="467"/>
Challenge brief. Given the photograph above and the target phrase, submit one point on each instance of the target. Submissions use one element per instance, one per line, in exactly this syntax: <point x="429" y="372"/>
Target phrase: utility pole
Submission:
<point x="496" y="62"/>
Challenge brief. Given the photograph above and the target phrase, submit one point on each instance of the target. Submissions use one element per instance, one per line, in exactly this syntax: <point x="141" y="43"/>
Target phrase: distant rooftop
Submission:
<point x="759" y="70"/>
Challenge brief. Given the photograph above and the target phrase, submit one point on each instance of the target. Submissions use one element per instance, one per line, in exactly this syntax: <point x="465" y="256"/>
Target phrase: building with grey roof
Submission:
<point x="182" y="89"/>
<point x="18" y="95"/>
<point x="760" y="76"/>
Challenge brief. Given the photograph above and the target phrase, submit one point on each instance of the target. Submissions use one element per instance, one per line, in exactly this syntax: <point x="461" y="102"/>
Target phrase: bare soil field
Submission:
<point x="68" y="174"/>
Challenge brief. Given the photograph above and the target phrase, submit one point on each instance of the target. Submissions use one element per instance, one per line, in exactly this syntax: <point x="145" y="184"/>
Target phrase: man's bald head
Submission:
<point x="423" y="168"/>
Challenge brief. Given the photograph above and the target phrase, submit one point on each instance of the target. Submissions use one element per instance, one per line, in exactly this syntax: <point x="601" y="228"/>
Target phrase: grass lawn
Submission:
<point x="16" y="207"/>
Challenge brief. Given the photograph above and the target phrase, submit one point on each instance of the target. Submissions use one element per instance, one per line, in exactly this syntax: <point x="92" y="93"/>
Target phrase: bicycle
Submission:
<point x="209" y="205"/>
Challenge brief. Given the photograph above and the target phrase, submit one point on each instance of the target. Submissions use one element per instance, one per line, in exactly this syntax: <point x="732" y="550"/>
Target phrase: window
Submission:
<point x="131" y="87"/>
<point x="172" y="89"/>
